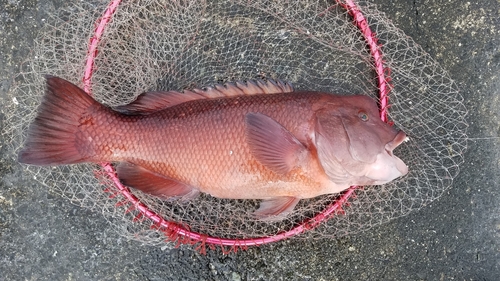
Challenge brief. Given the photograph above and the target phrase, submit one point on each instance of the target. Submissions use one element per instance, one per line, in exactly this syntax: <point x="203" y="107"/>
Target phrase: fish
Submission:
<point x="255" y="139"/>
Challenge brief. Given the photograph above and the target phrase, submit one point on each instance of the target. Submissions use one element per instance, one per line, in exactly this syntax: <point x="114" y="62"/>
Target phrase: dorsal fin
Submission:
<point x="250" y="87"/>
<point x="149" y="102"/>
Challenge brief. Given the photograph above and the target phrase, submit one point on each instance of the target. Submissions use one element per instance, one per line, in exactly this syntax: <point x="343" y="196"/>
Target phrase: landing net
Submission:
<point x="117" y="50"/>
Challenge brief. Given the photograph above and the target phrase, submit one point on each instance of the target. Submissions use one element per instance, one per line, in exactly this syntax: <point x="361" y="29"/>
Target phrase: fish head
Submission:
<point x="354" y="145"/>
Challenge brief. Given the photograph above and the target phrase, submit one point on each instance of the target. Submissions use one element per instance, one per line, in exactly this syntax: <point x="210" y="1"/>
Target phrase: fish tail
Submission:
<point x="52" y="137"/>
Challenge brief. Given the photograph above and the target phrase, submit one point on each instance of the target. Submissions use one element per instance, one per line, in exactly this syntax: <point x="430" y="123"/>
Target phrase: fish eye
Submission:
<point x="363" y="116"/>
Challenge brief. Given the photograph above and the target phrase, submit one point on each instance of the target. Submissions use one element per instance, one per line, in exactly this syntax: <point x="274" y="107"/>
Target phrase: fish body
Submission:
<point x="254" y="140"/>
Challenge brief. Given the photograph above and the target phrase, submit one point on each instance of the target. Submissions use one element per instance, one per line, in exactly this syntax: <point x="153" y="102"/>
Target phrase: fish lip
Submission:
<point x="390" y="146"/>
<point x="398" y="139"/>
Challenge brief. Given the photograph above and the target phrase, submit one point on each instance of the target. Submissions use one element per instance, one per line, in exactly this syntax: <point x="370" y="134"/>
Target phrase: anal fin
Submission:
<point x="152" y="183"/>
<point x="276" y="208"/>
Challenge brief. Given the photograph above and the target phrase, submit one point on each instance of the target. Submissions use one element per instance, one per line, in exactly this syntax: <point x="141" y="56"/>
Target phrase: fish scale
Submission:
<point x="205" y="142"/>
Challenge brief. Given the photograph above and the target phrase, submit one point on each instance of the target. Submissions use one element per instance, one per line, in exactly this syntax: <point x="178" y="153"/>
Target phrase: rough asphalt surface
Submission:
<point x="45" y="237"/>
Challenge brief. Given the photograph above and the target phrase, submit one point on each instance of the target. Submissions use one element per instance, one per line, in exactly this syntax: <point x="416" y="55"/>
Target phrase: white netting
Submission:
<point x="163" y="45"/>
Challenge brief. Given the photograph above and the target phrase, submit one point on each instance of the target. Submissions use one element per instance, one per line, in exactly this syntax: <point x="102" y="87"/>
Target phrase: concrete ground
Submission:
<point x="45" y="237"/>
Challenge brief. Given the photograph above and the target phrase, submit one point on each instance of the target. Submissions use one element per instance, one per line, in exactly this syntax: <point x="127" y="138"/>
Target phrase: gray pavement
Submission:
<point x="45" y="237"/>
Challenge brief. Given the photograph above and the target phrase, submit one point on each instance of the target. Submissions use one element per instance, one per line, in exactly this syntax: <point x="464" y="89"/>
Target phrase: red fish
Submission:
<point x="243" y="140"/>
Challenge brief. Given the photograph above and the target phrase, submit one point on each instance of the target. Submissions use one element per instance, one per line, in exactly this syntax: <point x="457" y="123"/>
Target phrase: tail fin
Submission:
<point x="52" y="137"/>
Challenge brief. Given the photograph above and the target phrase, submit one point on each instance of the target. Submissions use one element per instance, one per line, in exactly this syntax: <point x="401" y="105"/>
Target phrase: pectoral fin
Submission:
<point x="276" y="208"/>
<point x="152" y="183"/>
<point x="271" y="144"/>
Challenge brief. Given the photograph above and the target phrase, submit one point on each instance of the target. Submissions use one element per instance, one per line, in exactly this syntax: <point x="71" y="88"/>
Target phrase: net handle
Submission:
<point x="181" y="234"/>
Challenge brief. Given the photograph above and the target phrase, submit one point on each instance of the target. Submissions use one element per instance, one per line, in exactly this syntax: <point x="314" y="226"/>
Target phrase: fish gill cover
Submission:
<point x="176" y="45"/>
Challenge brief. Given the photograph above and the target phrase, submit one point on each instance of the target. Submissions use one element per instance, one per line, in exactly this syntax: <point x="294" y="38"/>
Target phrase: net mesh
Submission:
<point x="175" y="45"/>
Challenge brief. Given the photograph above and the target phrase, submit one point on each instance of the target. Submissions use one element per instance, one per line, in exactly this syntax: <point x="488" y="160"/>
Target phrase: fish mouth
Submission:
<point x="398" y="139"/>
<point x="390" y="146"/>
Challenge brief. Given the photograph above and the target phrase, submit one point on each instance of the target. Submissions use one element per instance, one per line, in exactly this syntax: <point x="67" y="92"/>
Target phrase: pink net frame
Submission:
<point x="182" y="235"/>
